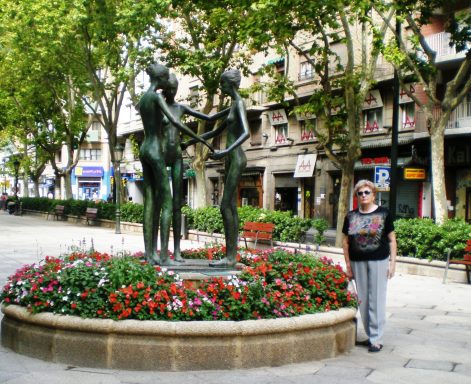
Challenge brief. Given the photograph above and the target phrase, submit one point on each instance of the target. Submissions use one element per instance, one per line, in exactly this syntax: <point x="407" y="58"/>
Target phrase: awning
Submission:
<point x="400" y="162"/>
<point x="378" y="143"/>
<point x="373" y="100"/>
<point x="277" y="116"/>
<point x="275" y="60"/>
<point x="305" y="165"/>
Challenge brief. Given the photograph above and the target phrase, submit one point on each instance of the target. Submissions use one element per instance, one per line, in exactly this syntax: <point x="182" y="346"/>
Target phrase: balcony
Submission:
<point x="459" y="122"/>
<point x="440" y="43"/>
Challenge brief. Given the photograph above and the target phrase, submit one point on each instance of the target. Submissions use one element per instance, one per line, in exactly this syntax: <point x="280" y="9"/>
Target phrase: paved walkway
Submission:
<point x="428" y="337"/>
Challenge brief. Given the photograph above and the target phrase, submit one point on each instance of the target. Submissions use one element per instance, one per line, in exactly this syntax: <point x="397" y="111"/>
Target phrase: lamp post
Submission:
<point x="16" y="165"/>
<point x="4" y="176"/>
<point x="118" y="156"/>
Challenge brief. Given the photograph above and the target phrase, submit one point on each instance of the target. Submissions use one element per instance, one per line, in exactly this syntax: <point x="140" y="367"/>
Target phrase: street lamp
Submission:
<point x="16" y="165"/>
<point x="118" y="156"/>
<point x="4" y="176"/>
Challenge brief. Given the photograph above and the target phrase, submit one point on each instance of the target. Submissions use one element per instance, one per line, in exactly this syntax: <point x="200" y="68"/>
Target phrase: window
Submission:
<point x="280" y="67"/>
<point x="281" y="133"/>
<point x="408" y="115"/>
<point x="306" y="71"/>
<point x="372" y="120"/>
<point x="256" y="132"/>
<point x="194" y="96"/>
<point x="90" y="154"/>
<point x="307" y="129"/>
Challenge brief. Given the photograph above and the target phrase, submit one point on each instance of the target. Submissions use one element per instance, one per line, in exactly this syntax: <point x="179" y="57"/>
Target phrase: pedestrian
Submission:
<point x="369" y="246"/>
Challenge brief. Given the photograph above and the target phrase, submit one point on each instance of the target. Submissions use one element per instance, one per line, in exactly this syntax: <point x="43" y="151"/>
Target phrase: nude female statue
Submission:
<point x="157" y="195"/>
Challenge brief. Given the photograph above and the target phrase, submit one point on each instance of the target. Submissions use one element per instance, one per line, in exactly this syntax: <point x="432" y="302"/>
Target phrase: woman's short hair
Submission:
<point x="232" y="76"/>
<point x="364" y="183"/>
<point x="157" y="70"/>
<point x="173" y="81"/>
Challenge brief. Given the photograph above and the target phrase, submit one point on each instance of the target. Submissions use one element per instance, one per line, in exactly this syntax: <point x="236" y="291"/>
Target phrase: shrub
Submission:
<point x="424" y="239"/>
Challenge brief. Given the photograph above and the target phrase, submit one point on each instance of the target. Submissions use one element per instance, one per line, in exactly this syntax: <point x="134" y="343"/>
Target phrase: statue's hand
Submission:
<point x="209" y="146"/>
<point x="217" y="155"/>
<point x="184" y="145"/>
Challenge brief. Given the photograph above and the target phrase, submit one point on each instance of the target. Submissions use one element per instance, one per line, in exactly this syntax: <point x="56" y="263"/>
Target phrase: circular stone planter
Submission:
<point x="177" y="346"/>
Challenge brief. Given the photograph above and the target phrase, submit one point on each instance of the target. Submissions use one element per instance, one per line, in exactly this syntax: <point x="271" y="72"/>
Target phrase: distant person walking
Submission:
<point x="369" y="247"/>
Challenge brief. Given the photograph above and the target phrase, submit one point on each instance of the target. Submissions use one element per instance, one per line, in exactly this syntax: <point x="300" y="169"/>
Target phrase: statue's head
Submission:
<point x="231" y="77"/>
<point x="158" y="72"/>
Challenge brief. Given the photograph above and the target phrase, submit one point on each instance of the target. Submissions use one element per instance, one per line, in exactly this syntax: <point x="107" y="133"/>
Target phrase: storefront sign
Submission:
<point x="415" y="173"/>
<point x="89" y="171"/>
<point x="305" y="165"/>
<point x="277" y="116"/>
<point x="373" y="100"/>
<point x="382" y="178"/>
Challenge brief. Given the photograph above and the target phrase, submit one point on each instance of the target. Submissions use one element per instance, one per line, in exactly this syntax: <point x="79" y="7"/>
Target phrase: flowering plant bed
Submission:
<point x="273" y="284"/>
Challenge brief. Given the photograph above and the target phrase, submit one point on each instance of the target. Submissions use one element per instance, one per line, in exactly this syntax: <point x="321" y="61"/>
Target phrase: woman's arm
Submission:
<point x="346" y="255"/>
<point x="182" y="127"/>
<point x="199" y="115"/>
<point x="393" y="253"/>
<point x="245" y="134"/>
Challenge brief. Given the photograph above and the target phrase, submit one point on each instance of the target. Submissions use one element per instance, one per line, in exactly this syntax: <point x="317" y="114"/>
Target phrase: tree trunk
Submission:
<point x="343" y="204"/>
<point x="25" y="186"/>
<point x="201" y="154"/>
<point x="200" y="200"/>
<point x="437" y="138"/>
<point x="67" y="185"/>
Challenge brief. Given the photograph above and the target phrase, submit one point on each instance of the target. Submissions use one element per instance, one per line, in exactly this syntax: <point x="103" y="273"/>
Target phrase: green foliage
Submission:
<point x="320" y="225"/>
<point x="130" y="212"/>
<point x="424" y="239"/>
<point x="287" y="226"/>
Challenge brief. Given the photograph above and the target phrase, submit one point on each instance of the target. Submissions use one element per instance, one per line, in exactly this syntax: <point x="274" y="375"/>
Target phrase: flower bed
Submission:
<point x="273" y="284"/>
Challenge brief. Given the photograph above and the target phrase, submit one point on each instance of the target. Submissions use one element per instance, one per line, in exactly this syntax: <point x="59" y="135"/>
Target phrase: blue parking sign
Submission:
<point x="382" y="178"/>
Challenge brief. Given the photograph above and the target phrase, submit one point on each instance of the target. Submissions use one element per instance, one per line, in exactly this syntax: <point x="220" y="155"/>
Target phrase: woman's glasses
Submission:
<point x="361" y="193"/>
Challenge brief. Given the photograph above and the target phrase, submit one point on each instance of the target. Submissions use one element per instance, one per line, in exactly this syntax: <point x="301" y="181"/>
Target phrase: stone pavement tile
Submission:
<point x="153" y="377"/>
<point x="263" y="376"/>
<point x="416" y="376"/>
<point x="432" y="351"/>
<point x="64" y="378"/>
<point x="307" y="368"/>
<point x="407" y="316"/>
<point x="342" y="371"/>
<point x="446" y="333"/>
<point x="435" y="365"/>
<point x="386" y="359"/>
<point x="430" y="340"/>
<point x="450" y="319"/>
<point x="463" y="369"/>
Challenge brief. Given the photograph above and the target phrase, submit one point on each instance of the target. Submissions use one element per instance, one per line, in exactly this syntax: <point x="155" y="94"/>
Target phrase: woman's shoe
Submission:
<point x="364" y="343"/>
<point x="375" y="348"/>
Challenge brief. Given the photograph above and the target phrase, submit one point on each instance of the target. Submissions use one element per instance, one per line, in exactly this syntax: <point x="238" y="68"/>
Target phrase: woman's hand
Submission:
<point x="217" y="155"/>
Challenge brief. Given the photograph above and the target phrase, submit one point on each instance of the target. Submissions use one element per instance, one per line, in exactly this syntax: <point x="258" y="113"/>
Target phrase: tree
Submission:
<point x="414" y="60"/>
<point x="342" y="84"/>
<point x="44" y="108"/>
<point x="205" y="40"/>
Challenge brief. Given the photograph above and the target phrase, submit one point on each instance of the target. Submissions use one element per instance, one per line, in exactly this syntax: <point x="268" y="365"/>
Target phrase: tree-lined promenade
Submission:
<point x="67" y="65"/>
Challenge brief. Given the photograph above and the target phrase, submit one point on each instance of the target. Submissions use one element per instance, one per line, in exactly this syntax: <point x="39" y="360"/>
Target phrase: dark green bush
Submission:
<point x="424" y="239"/>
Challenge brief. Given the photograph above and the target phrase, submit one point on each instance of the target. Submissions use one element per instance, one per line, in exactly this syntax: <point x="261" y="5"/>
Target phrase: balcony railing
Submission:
<point x="440" y="43"/>
<point x="460" y="118"/>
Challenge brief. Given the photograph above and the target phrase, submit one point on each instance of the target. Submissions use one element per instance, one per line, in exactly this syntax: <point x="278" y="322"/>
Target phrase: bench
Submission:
<point x="466" y="261"/>
<point x="59" y="212"/>
<point x="91" y="214"/>
<point x="258" y="231"/>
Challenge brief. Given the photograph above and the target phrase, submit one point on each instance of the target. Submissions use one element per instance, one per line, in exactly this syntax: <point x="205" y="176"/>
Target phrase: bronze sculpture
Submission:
<point x="237" y="132"/>
<point x="157" y="195"/>
<point x="173" y="154"/>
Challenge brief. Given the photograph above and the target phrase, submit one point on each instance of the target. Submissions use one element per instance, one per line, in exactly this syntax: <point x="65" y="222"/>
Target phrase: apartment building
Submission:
<point x="287" y="171"/>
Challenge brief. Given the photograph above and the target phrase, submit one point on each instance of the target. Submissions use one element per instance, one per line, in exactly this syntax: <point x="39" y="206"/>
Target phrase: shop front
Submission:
<point x="413" y="185"/>
<point x="89" y="180"/>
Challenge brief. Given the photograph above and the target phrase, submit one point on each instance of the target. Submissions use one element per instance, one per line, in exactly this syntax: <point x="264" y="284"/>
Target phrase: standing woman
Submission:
<point x="369" y="246"/>
<point x="157" y="195"/>
<point x="237" y="132"/>
<point x="173" y="154"/>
